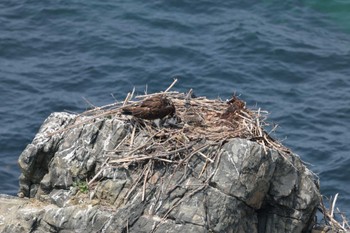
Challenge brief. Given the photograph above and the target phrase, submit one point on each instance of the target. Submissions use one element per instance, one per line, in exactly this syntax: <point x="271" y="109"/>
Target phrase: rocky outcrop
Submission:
<point x="70" y="184"/>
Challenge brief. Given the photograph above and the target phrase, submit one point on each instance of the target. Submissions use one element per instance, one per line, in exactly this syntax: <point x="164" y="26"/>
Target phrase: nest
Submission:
<point x="198" y="119"/>
<point x="200" y="124"/>
<point x="201" y="119"/>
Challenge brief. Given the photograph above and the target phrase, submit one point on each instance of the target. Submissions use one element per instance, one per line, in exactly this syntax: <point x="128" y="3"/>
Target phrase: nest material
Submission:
<point x="197" y="120"/>
<point x="216" y="120"/>
<point x="200" y="123"/>
<point x="200" y="128"/>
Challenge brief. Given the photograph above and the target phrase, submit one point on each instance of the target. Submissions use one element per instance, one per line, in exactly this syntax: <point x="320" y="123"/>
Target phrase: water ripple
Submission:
<point x="289" y="58"/>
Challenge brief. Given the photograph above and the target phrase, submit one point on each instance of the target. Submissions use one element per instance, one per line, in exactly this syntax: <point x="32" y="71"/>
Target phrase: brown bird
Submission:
<point x="235" y="105"/>
<point x="152" y="108"/>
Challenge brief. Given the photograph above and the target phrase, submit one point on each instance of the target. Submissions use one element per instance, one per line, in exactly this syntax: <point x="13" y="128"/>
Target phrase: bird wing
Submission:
<point x="127" y="110"/>
<point x="151" y="102"/>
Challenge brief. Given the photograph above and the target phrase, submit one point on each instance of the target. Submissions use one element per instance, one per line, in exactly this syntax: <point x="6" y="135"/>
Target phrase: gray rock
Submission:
<point x="243" y="190"/>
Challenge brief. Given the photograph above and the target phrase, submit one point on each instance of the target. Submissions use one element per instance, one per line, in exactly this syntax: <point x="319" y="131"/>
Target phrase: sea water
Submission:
<point x="291" y="58"/>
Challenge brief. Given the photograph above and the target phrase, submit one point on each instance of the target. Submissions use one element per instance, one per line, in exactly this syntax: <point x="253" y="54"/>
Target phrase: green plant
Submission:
<point x="82" y="186"/>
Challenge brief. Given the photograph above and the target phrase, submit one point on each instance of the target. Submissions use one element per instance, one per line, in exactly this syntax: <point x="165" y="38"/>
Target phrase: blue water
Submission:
<point x="291" y="58"/>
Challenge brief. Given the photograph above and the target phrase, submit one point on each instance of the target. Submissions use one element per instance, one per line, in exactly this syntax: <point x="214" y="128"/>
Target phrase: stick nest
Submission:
<point x="198" y="120"/>
<point x="200" y="124"/>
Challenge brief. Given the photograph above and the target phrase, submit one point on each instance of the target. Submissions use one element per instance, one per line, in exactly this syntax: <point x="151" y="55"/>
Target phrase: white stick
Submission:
<point x="333" y="204"/>
<point x="175" y="80"/>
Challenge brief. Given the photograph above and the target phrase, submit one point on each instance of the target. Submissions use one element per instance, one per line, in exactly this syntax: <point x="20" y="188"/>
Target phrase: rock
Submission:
<point x="235" y="186"/>
<point x="55" y="162"/>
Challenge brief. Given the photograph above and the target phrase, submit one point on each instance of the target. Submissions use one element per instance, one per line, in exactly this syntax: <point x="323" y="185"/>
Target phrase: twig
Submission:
<point x="131" y="159"/>
<point x="143" y="145"/>
<point x="329" y="216"/>
<point x="333" y="205"/>
<point x="273" y="129"/>
<point x="145" y="180"/>
<point x="145" y="157"/>
<point x="146" y="89"/>
<point x="203" y="169"/>
<point x="89" y="103"/>
<point x="120" y="143"/>
<point x="164" y="160"/>
<point x="134" y="186"/>
<point x="99" y="172"/>
<point x="132" y="136"/>
<point x="127" y="226"/>
<point x="129" y="97"/>
<point x="190" y="194"/>
<point x="175" y="80"/>
<point x="98" y="109"/>
<point x="206" y="157"/>
<point x="157" y="93"/>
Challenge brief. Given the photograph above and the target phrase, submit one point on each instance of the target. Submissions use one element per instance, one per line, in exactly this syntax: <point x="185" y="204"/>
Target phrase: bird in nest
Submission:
<point x="235" y="105"/>
<point x="152" y="108"/>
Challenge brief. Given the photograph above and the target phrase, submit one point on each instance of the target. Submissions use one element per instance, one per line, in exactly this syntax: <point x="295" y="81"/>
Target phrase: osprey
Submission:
<point x="152" y="108"/>
<point x="234" y="106"/>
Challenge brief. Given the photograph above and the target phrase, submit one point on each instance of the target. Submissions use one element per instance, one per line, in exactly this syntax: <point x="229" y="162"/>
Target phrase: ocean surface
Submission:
<point x="291" y="58"/>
